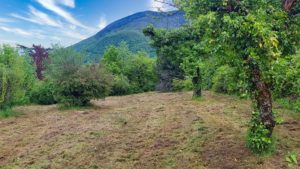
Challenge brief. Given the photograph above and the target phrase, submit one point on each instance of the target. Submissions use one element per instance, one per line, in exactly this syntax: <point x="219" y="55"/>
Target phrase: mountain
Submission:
<point x="129" y="29"/>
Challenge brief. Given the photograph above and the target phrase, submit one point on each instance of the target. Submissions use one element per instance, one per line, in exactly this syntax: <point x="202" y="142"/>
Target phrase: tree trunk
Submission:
<point x="262" y="96"/>
<point x="197" y="83"/>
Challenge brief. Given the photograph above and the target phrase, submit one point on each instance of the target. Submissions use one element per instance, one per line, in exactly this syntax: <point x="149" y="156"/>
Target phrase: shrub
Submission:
<point x="224" y="80"/>
<point x="293" y="104"/>
<point x="75" y="83"/>
<point x="89" y="82"/>
<point x="258" y="139"/>
<point x="121" y="86"/>
<point x="286" y="76"/>
<point x="182" y="85"/>
<point x="136" y="71"/>
<point x="43" y="93"/>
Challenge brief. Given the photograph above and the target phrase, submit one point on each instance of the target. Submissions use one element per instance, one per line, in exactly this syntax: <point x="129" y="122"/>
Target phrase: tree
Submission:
<point x="16" y="78"/>
<point x="39" y="56"/>
<point x="257" y="32"/>
<point x="177" y="56"/>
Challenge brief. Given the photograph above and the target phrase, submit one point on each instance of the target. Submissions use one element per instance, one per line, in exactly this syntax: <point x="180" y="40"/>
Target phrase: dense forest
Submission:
<point x="247" y="49"/>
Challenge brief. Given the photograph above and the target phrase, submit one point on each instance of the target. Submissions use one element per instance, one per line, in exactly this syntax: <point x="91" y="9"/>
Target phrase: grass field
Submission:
<point x="149" y="130"/>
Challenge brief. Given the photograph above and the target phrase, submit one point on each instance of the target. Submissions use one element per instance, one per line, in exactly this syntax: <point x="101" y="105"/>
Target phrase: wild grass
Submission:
<point x="6" y="113"/>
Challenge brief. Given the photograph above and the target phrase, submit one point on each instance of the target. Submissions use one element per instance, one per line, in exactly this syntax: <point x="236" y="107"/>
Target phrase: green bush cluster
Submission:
<point x="75" y="84"/>
<point x="224" y="80"/>
<point x="133" y="72"/>
<point x="87" y="83"/>
<point x="182" y="85"/>
<point x="121" y="86"/>
<point x="43" y="93"/>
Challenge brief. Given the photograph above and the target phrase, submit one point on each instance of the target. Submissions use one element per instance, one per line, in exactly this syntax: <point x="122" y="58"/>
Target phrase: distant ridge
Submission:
<point x="129" y="29"/>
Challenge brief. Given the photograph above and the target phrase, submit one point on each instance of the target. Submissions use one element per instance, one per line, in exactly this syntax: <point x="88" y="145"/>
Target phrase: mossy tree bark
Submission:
<point x="197" y="83"/>
<point x="262" y="96"/>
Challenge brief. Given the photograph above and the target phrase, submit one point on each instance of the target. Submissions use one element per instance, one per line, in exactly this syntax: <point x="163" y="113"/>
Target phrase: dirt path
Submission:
<point x="150" y="130"/>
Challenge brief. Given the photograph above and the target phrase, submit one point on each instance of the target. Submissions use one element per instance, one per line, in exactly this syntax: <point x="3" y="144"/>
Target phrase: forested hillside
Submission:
<point x="129" y="30"/>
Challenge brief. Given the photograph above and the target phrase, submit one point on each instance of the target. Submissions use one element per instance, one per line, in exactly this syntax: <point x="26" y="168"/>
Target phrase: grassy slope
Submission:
<point x="150" y="130"/>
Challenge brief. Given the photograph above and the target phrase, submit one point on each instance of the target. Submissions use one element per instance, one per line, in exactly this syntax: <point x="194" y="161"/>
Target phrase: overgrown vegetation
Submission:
<point x="75" y="84"/>
<point x="258" y="139"/>
<point x="133" y="72"/>
<point x="43" y="93"/>
<point x="16" y="78"/>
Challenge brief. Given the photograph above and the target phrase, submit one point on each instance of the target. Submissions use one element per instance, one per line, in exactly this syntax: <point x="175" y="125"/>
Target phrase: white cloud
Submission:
<point x="73" y="27"/>
<point x="38" y="17"/>
<point x="68" y="3"/>
<point x="73" y="34"/>
<point x="53" y="5"/>
<point x="16" y="31"/>
<point x="5" y="20"/>
<point x="102" y="23"/>
<point x="158" y="5"/>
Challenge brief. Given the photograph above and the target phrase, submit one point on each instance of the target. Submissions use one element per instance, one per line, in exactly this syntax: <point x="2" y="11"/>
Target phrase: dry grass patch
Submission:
<point x="149" y="130"/>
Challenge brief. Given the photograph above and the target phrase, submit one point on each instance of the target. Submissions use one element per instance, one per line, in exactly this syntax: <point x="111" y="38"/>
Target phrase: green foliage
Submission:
<point x="182" y="85"/>
<point x="43" y="93"/>
<point x="76" y="84"/>
<point x="63" y="63"/>
<point x="258" y="139"/>
<point x="134" y="72"/>
<point x="224" y="80"/>
<point x="16" y="78"/>
<point x="135" y="40"/>
<point x="128" y="29"/>
<point x="293" y="104"/>
<point x="121" y="86"/>
<point x="8" y="112"/>
<point x="291" y="158"/>
<point x="89" y="82"/>
<point x="229" y="80"/>
<point x="175" y="54"/>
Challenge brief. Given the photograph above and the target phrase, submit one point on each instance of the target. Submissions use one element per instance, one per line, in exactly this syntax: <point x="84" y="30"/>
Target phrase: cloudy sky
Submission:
<point x="65" y="22"/>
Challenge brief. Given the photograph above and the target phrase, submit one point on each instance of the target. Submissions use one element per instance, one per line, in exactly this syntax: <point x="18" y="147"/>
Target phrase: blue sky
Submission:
<point x="64" y="22"/>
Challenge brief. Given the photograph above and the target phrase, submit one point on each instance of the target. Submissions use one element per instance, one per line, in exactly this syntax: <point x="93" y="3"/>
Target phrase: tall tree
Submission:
<point x="39" y="55"/>
<point x="173" y="47"/>
<point x="256" y="31"/>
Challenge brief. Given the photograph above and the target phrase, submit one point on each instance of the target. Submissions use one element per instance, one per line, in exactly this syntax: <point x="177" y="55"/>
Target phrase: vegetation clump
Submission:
<point x="75" y="83"/>
<point x="133" y="72"/>
<point x="258" y="136"/>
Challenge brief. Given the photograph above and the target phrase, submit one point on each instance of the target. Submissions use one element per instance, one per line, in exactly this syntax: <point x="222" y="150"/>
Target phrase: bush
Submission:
<point x="75" y="83"/>
<point x="134" y="72"/>
<point x="89" y="82"/>
<point x="182" y="85"/>
<point x="43" y="93"/>
<point x="224" y="80"/>
<point x="293" y="104"/>
<point x="286" y="76"/>
<point x="258" y="139"/>
<point x="121" y="86"/>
